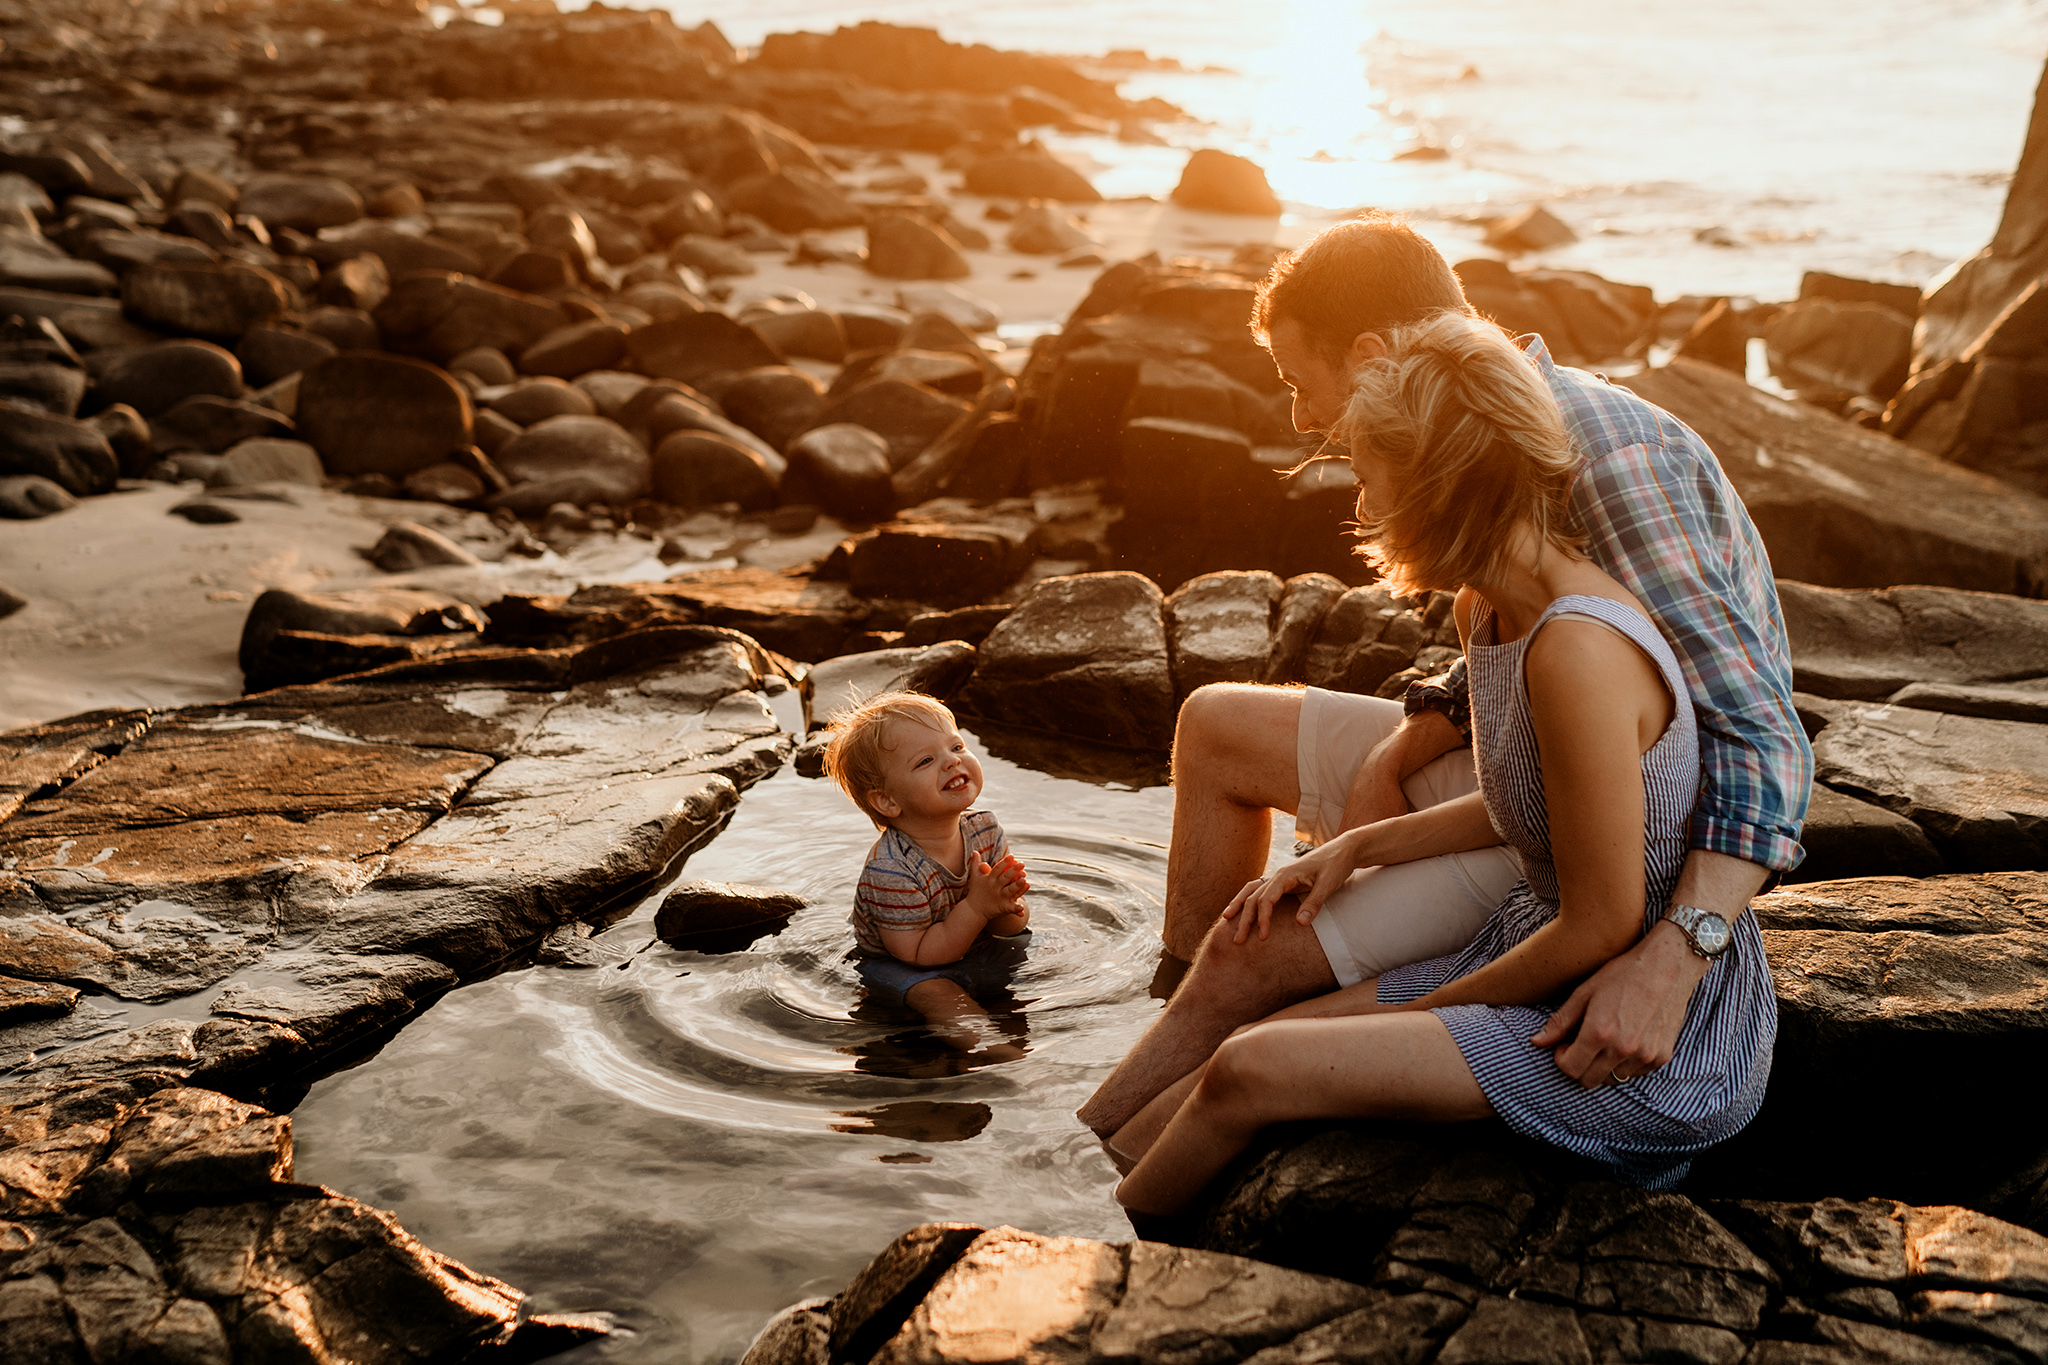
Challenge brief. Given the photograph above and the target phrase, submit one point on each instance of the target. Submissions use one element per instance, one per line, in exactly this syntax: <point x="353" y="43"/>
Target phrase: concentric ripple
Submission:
<point x="693" y="1141"/>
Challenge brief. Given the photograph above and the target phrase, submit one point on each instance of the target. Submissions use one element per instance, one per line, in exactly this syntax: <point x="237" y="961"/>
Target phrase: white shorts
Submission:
<point x="1387" y="917"/>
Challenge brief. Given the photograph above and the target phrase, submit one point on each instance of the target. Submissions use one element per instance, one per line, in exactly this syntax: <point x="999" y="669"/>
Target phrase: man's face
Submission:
<point x="1320" y="386"/>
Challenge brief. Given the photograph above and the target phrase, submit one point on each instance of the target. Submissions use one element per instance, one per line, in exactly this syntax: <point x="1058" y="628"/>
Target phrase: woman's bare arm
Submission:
<point x="1597" y="703"/>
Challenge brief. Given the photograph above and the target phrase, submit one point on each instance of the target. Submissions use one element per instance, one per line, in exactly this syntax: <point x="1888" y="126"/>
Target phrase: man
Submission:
<point x="1660" y="516"/>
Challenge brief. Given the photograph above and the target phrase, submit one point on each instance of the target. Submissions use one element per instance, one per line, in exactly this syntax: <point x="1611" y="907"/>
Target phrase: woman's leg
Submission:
<point x="1386" y="1065"/>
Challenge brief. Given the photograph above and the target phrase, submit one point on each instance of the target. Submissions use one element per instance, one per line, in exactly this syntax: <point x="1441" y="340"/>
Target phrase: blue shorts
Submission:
<point x="987" y="967"/>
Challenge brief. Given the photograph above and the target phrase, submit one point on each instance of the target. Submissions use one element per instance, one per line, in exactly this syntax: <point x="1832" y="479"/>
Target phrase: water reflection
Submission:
<point x="694" y="1140"/>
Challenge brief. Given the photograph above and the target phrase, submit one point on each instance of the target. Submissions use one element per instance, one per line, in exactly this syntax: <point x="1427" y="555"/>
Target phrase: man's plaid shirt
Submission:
<point x="1662" y="518"/>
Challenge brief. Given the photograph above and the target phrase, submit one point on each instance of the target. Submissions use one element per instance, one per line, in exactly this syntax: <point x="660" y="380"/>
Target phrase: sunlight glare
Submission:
<point x="1312" y="90"/>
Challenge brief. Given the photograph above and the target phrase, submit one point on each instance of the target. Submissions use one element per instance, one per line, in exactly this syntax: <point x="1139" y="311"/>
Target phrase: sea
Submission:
<point x="1720" y="148"/>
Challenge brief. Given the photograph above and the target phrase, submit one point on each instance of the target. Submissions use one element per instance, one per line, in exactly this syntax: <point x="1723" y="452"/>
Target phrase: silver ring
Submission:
<point x="1614" y="1075"/>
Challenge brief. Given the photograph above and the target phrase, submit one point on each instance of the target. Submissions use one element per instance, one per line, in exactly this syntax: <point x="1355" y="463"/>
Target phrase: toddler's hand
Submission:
<point x="996" y="891"/>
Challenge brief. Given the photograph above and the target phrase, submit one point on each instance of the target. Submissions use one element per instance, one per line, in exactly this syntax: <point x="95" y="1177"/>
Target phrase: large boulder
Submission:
<point x="1848" y="508"/>
<point x="580" y="460"/>
<point x="218" y="302"/>
<point x="1222" y="183"/>
<point x="774" y="402"/>
<point x="1859" y="349"/>
<point x="931" y="561"/>
<point x="1979" y="788"/>
<point x="1219" y="628"/>
<point x="1867" y="645"/>
<point x="721" y="917"/>
<point x="381" y="414"/>
<point x="1083" y="656"/>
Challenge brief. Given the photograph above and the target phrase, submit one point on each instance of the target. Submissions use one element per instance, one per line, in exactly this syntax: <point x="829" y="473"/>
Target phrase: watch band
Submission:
<point x="1706" y="940"/>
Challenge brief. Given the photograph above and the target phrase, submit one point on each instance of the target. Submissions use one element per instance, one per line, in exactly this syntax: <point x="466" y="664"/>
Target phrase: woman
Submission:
<point x="1588" y="762"/>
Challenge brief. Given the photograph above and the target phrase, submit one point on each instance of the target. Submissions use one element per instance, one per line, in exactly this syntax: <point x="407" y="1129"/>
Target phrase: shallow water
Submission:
<point x="696" y="1141"/>
<point x="1868" y="137"/>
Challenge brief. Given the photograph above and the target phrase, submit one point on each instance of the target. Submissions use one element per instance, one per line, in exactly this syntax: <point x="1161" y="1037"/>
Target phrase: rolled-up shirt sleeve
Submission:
<point x="1663" y="518"/>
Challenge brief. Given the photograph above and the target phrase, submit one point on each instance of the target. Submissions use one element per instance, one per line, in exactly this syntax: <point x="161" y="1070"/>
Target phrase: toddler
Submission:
<point x="940" y="880"/>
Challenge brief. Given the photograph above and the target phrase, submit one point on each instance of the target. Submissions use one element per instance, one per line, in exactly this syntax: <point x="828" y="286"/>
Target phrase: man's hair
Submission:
<point x="1473" y="442"/>
<point x="853" y="754"/>
<point x="1366" y="275"/>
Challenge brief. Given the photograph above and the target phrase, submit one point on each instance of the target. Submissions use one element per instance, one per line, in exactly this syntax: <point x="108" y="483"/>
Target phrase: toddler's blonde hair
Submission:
<point x="853" y="755"/>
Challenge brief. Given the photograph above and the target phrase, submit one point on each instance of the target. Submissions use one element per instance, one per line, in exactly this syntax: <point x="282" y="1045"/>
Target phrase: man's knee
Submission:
<point x="1221" y="719"/>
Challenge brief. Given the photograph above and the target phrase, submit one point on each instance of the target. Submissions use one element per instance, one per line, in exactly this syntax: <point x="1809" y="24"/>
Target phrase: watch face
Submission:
<point x="1713" y="935"/>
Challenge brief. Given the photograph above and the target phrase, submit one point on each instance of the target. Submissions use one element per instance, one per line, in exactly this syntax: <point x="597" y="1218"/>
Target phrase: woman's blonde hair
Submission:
<point x="853" y="754"/>
<point x="1473" y="442"/>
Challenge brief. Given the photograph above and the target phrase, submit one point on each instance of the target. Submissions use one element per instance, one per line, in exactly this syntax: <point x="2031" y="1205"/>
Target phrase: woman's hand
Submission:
<point x="1313" y="876"/>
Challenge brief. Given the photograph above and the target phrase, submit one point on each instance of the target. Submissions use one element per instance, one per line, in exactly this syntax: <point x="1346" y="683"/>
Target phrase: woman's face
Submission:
<point x="1375" y="480"/>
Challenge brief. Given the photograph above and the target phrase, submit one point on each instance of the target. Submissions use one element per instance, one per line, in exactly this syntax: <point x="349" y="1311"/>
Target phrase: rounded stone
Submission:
<point x="381" y="414"/>
<point x="487" y="363"/>
<point x="155" y="378"/>
<point x="576" y="459"/>
<point x="70" y="453"/>
<point x="844" y="468"/>
<point x="217" y="301"/>
<point x="350" y="329"/>
<point x="535" y="400"/>
<point x="774" y="402"/>
<point x="304" y="202"/>
<point x="269" y="352"/>
<point x="28" y="496"/>
<point x="697" y="468"/>
<point x="576" y="349"/>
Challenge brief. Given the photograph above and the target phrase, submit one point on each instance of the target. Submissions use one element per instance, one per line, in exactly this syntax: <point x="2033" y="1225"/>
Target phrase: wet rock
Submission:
<point x="844" y="468"/>
<point x="1866" y="645"/>
<point x="936" y="669"/>
<point x="576" y="349"/>
<point x="1845" y="508"/>
<point x="305" y="202"/>
<point x="28" y="496"/>
<point x="1219" y="628"/>
<point x="1305" y="601"/>
<point x="789" y="613"/>
<point x="945" y="565"/>
<point x="971" y="625"/>
<point x="1855" y="348"/>
<point x="1082" y="656"/>
<point x="269" y="353"/>
<point x="722" y="917"/>
<point x="407" y="545"/>
<point x="1531" y="229"/>
<point x="206" y="423"/>
<point x="665" y="409"/>
<point x="1365" y="638"/>
<point x="261" y="460"/>
<point x="573" y="459"/>
<point x="698" y="345"/>
<point x="904" y="247"/>
<point x="1029" y="172"/>
<point x="487" y="363"/>
<point x="1845" y="837"/>
<point x="391" y="611"/>
<point x="368" y="413"/>
<point x="700" y="469"/>
<point x="217" y="302"/>
<point x="774" y="402"/>
<point x="438" y="314"/>
<point x="25" y="1000"/>
<point x="907" y="416"/>
<point x="1222" y="183"/>
<point x="73" y="455"/>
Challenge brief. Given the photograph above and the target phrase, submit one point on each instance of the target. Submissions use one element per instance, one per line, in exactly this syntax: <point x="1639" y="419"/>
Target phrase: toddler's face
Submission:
<point x="927" y="772"/>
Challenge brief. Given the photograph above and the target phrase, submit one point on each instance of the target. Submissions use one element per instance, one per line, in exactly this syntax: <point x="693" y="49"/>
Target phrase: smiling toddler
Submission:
<point x="941" y="879"/>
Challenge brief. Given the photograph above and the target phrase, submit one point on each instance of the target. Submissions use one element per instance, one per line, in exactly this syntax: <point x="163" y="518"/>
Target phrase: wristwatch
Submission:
<point x="1706" y="931"/>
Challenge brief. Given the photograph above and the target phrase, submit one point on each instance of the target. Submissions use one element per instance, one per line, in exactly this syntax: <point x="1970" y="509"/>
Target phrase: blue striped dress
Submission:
<point x="1649" y="1128"/>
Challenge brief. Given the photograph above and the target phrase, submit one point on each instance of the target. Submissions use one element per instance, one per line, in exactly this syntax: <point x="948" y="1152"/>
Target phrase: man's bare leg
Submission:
<point x="1234" y="764"/>
<point x="1230" y="985"/>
